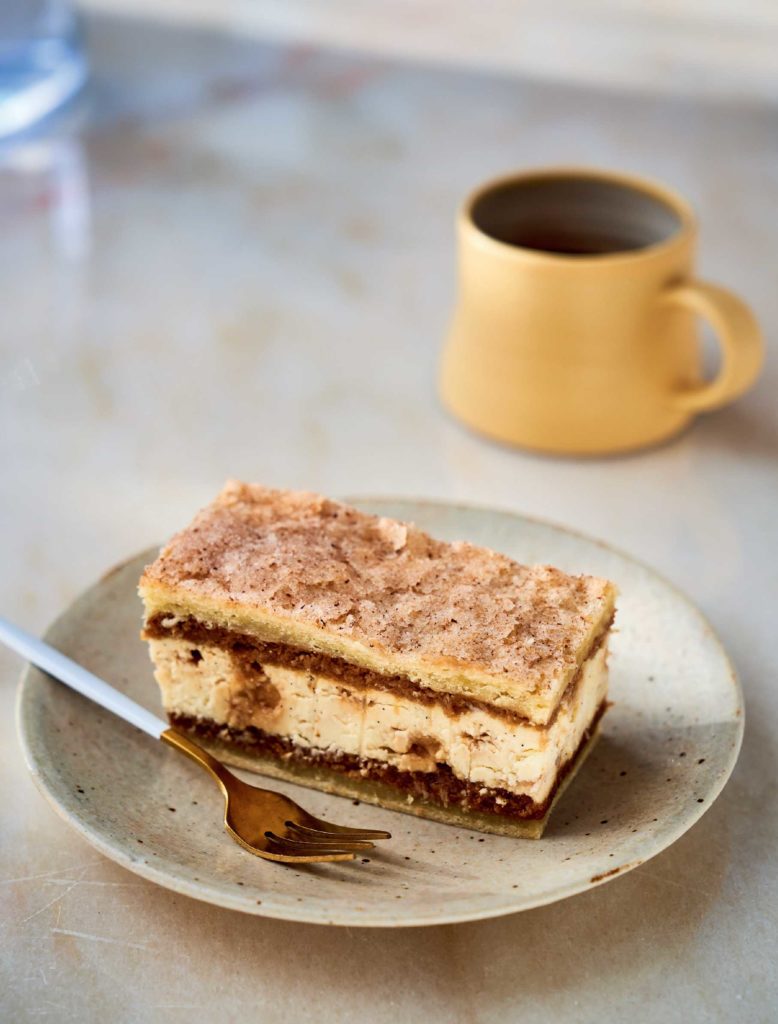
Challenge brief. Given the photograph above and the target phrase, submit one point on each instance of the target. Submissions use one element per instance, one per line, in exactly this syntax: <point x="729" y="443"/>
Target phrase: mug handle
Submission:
<point x="738" y="334"/>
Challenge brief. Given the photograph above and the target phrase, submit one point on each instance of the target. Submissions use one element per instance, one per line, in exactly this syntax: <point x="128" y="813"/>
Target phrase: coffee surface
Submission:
<point x="573" y="216"/>
<point x="569" y="243"/>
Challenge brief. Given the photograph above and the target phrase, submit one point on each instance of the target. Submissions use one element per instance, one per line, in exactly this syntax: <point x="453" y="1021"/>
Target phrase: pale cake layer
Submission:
<point x="299" y="569"/>
<point x="483" y="748"/>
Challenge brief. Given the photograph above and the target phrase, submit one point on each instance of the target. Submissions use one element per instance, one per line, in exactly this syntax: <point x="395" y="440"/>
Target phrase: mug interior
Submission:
<point x="574" y="216"/>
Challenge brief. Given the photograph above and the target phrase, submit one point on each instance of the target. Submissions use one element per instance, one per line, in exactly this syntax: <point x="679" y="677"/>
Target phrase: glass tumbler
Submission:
<point x="42" y="61"/>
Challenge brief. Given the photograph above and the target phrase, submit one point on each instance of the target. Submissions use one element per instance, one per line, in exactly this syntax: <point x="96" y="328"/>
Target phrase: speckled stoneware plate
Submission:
<point x="668" y="746"/>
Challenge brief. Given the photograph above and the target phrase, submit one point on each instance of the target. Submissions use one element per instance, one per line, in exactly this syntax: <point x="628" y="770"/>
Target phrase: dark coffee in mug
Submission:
<point x="574" y="217"/>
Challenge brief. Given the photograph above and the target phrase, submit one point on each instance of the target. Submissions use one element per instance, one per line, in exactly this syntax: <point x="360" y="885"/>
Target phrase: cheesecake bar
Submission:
<point x="308" y="640"/>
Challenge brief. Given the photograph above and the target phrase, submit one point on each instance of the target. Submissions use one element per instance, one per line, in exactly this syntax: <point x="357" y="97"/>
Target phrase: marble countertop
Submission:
<point x="240" y="263"/>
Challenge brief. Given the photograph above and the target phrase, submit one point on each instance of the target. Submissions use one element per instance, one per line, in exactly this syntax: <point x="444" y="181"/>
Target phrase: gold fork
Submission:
<point x="263" y="822"/>
<point x="271" y="825"/>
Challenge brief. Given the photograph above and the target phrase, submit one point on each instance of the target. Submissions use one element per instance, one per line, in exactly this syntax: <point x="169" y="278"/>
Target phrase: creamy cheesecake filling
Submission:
<point x="481" y="747"/>
<point x="439" y="795"/>
<point x="252" y="652"/>
<point x="534" y="697"/>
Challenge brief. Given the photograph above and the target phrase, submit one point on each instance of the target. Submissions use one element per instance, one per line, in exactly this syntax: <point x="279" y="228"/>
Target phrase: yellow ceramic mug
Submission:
<point x="575" y="327"/>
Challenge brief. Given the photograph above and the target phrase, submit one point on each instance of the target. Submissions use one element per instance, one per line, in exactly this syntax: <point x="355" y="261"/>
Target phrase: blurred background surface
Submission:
<point x="711" y="47"/>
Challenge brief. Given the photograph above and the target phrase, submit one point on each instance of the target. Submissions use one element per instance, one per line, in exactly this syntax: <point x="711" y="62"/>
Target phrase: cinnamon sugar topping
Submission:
<point x="383" y="584"/>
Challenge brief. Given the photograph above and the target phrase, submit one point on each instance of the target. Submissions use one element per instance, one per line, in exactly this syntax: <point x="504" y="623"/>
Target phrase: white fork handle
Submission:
<point x="77" y="678"/>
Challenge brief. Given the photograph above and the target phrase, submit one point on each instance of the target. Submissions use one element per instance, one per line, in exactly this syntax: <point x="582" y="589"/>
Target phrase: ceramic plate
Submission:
<point x="668" y="746"/>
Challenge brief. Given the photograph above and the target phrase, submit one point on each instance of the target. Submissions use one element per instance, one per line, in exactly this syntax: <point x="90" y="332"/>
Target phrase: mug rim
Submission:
<point x="647" y="186"/>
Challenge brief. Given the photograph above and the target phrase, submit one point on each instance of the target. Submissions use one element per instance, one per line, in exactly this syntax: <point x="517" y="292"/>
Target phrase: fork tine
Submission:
<point x="277" y="850"/>
<point x="303" y="834"/>
<point x="279" y="856"/>
<point x="291" y="847"/>
<point x="329" y="829"/>
<point x="320" y="844"/>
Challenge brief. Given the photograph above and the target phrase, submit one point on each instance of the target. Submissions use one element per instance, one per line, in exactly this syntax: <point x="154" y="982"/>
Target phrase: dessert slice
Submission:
<point x="310" y="641"/>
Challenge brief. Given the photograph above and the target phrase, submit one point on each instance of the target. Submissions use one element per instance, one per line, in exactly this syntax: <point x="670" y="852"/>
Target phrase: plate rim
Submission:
<point x="298" y="914"/>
